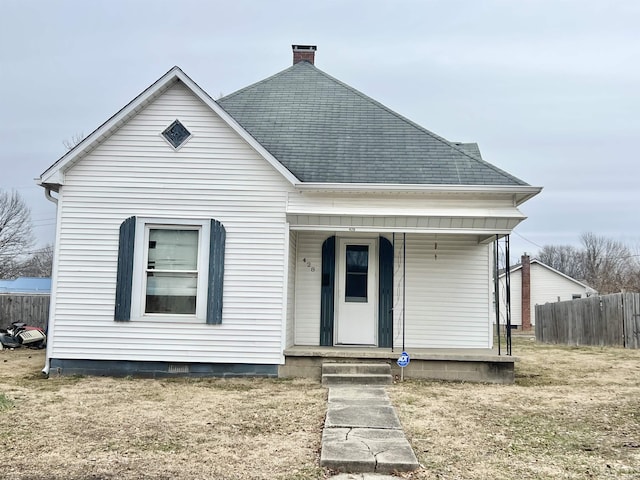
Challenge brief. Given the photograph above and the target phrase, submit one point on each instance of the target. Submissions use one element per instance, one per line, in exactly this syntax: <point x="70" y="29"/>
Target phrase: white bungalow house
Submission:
<point x="235" y="236"/>
<point x="534" y="283"/>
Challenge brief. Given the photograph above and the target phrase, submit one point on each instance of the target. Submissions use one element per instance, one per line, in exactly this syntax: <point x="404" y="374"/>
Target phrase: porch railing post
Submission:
<point x="496" y="289"/>
<point x="507" y="278"/>
<point x="393" y="311"/>
<point x="404" y="283"/>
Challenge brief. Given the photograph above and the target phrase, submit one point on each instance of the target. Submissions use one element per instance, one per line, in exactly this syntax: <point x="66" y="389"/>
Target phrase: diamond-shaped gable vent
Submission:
<point x="176" y="134"/>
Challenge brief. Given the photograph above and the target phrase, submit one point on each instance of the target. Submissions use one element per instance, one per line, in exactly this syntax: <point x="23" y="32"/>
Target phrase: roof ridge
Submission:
<point x="408" y="121"/>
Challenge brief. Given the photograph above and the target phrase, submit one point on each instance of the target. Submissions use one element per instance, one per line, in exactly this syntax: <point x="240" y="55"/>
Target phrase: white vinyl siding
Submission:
<point x="547" y="286"/>
<point x="308" y="280"/>
<point x="447" y="292"/>
<point x="291" y="290"/>
<point x="215" y="174"/>
<point x="447" y="299"/>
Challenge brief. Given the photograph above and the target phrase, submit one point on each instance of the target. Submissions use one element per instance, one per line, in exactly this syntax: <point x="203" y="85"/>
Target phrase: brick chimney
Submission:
<point x="526" y="292"/>
<point x="304" y="53"/>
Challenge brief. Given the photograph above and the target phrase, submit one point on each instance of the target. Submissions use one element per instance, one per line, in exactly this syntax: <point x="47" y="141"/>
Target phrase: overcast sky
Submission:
<point x="549" y="89"/>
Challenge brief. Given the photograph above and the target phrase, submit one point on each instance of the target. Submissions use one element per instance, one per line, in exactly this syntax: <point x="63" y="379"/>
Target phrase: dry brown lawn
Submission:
<point x="573" y="413"/>
<point x="105" y="428"/>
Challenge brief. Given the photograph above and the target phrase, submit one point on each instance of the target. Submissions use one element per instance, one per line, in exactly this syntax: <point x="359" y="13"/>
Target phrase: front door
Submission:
<point x="357" y="298"/>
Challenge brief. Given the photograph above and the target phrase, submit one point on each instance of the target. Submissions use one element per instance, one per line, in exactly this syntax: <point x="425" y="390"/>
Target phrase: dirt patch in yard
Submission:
<point x="573" y="413"/>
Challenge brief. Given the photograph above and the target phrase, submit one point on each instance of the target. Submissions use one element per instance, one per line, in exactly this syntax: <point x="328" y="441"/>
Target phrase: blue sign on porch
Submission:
<point x="403" y="360"/>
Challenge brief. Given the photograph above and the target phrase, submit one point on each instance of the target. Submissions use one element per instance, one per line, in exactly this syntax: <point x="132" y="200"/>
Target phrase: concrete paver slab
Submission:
<point x="347" y="455"/>
<point x="376" y="434"/>
<point x="358" y="395"/>
<point x="367" y="450"/>
<point x="369" y="416"/>
<point x="341" y="434"/>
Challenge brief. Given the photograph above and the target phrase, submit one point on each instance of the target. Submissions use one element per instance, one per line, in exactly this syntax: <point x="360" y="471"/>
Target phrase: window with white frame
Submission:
<point x="170" y="269"/>
<point x="171" y="273"/>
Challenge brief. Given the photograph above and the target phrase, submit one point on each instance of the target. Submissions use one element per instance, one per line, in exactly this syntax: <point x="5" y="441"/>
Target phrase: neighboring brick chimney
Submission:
<point x="526" y="292"/>
<point x="304" y="53"/>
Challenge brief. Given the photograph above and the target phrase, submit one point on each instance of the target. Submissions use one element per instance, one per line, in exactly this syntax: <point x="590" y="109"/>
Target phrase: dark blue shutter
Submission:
<point x="385" y="295"/>
<point x="124" y="276"/>
<point x="326" y="291"/>
<point x="216" y="273"/>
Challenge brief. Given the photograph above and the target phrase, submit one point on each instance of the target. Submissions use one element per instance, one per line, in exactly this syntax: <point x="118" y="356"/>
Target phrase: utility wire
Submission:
<point x="527" y="240"/>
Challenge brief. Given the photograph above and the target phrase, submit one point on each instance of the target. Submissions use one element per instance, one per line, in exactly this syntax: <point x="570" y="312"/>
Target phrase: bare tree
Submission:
<point x="40" y="263"/>
<point x="15" y="233"/>
<point x="73" y="141"/>
<point x="605" y="264"/>
<point x="564" y="258"/>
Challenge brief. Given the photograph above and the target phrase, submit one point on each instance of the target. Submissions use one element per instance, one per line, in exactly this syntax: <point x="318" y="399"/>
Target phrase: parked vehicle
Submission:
<point x="20" y="334"/>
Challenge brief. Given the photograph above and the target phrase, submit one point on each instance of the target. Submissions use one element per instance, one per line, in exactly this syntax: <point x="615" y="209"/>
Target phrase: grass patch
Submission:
<point x="5" y="403"/>
<point x="225" y="384"/>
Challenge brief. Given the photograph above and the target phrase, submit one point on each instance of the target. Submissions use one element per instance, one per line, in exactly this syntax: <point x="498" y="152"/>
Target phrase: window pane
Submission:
<point x="173" y="249"/>
<point x="171" y="292"/>
<point x="172" y="275"/>
<point x="357" y="258"/>
<point x="357" y="272"/>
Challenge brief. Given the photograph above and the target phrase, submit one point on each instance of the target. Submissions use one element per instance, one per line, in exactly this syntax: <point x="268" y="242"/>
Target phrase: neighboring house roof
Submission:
<point x="324" y="131"/>
<point x="544" y="265"/>
<point x="26" y="285"/>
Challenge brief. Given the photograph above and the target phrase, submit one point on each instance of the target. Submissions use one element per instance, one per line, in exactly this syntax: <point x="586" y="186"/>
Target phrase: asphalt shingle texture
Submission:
<point x="323" y="130"/>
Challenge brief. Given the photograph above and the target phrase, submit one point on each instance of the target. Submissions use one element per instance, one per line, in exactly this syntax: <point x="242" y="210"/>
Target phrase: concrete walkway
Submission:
<point x="362" y="433"/>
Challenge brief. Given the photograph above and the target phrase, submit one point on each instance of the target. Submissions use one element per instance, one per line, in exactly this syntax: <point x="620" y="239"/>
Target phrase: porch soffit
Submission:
<point x="482" y="226"/>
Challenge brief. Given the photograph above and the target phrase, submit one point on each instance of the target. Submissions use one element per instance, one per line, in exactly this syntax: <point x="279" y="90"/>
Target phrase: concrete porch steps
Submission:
<point x="345" y="373"/>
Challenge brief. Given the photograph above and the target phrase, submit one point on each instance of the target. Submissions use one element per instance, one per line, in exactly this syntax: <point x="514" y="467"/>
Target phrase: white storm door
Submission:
<point x="357" y="297"/>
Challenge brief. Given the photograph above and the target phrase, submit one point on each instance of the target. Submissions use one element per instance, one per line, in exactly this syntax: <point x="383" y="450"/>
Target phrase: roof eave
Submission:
<point x="521" y="193"/>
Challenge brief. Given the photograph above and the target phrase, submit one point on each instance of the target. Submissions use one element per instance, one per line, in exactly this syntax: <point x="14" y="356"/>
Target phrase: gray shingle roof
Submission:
<point x="325" y="131"/>
<point x="470" y="148"/>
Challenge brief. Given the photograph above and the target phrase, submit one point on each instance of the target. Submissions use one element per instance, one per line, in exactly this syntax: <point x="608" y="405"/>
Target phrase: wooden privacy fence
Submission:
<point x="611" y="320"/>
<point x="31" y="309"/>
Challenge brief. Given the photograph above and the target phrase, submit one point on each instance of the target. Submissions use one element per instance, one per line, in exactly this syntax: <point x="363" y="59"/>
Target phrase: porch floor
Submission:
<point x="459" y="354"/>
<point x="457" y="364"/>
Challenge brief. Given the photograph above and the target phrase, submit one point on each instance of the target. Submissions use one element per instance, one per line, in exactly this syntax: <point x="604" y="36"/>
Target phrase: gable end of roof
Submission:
<point x="52" y="177"/>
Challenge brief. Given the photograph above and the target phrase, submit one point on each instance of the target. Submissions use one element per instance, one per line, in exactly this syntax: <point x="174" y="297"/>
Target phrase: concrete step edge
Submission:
<point x="356" y="378"/>
<point x="380" y="368"/>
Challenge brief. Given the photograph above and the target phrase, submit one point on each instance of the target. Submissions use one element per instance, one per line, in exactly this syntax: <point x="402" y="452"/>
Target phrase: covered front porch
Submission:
<point x="395" y="291"/>
<point x="372" y="275"/>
